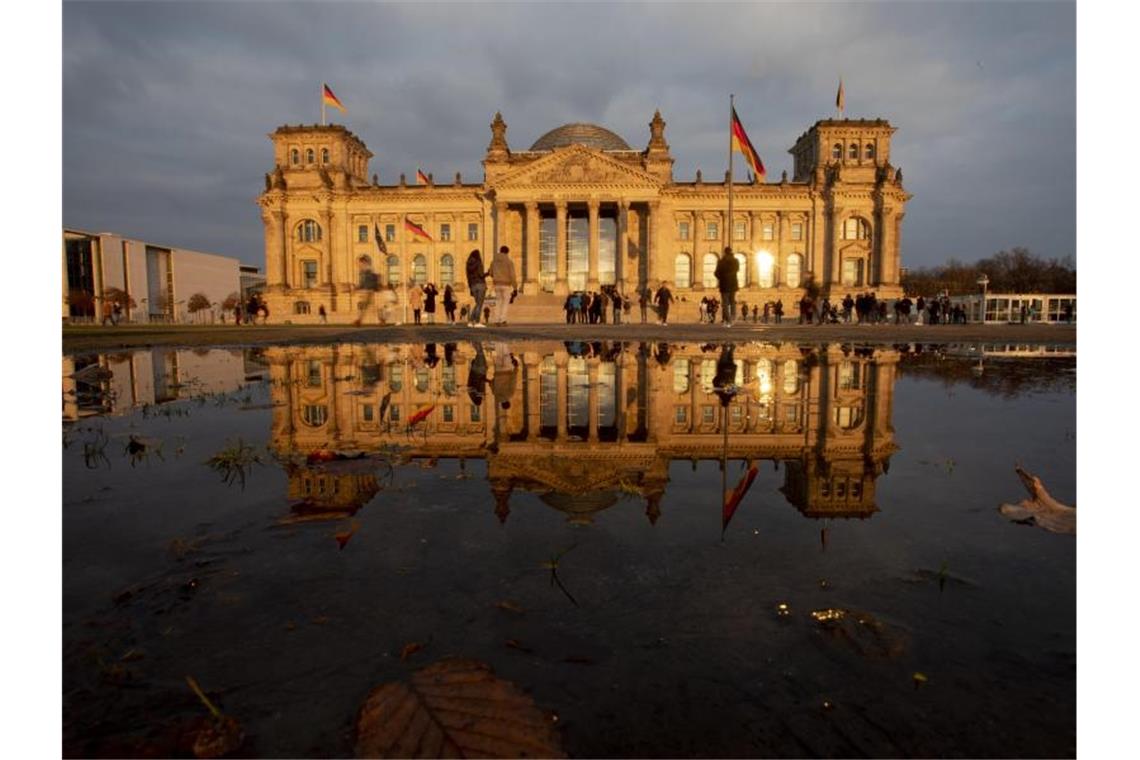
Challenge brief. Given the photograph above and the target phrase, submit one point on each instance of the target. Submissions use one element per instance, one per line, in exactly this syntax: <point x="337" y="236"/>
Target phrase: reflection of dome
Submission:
<point x="590" y="135"/>
<point x="580" y="507"/>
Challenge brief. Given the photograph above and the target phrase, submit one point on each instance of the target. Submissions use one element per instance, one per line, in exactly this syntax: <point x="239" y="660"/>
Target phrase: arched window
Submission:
<point x="742" y="270"/>
<point x="837" y="150"/>
<point x="848" y="417"/>
<point x="314" y="415"/>
<point x="683" y="270"/>
<point x="308" y="231"/>
<point x="856" y="229"/>
<point x="309" y="158"/>
<point x="395" y="377"/>
<point x="708" y="270"/>
<point x="422" y="377"/>
<point x="394" y="276"/>
<point x="324" y="155"/>
<point x="869" y="151"/>
<point x="765" y="269"/>
<point x="681" y="376"/>
<point x="791" y="377"/>
<point x="793" y="269"/>
<point x="301" y="307"/>
<point x="419" y="269"/>
<point x="296" y="155"/>
<point x="853" y="151"/>
<point x="364" y="271"/>
<point x="446" y="269"/>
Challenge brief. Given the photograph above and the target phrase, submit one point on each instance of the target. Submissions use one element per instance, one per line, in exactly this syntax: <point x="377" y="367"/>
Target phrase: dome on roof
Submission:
<point x="581" y="134"/>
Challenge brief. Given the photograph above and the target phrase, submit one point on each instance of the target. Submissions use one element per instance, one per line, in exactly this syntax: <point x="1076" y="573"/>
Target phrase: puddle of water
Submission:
<point x="558" y="514"/>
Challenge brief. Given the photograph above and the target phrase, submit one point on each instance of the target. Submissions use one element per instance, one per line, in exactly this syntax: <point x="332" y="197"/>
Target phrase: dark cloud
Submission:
<point x="166" y="106"/>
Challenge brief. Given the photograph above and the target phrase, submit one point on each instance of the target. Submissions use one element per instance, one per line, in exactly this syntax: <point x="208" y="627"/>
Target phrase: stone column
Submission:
<point x="652" y="274"/>
<point x="327" y="225"/>
<point x="274" y="274"/>
<point x="592" y="406"/>
<point x="532" y="380"/>
<point x="619" y="398"/>
<point x="884" y="241"/>
<point x="592" y="206"/>
<point x="779" y="275"/>
<point x="836" y="237"/>
<point x="623" y="248"/>
<point x="561" y="285"/>
<point x="531" y="284"/>
<point x="500" y="228"/>
<point x="283" y="249"/>
<point x="756" y="224"/>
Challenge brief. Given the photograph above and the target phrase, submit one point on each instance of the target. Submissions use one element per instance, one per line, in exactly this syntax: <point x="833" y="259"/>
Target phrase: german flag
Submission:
<point x="741" y="143"/>
<point x="421" y="178"/>
<point x="329" y="99"/>
<point x="416" y="230"/>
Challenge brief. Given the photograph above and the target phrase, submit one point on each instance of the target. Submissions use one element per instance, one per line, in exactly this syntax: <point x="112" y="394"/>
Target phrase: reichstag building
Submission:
<point x="581" y="210"/>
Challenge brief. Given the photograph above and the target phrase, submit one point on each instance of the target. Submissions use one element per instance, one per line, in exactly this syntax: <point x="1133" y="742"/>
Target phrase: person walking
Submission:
<point x="449" y="303"/>
<point x="477" y="285"/>
<point x="323" y="314"/>
<point x="663" y="297"/>
<point x="778" y="310"/>
<point x="416" y="300"/>
<point x="726" y="280"/>
<point x="643" y="302"/>
<point x="503" y="273"/>
<point x="430" y="294"/>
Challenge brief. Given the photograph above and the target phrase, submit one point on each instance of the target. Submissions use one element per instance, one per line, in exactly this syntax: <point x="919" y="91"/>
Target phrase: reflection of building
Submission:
<point x="584" y="430"/>
<point x="160" y="279"/>
<point x="116" y="383"/>
<point x="581" y="209"/>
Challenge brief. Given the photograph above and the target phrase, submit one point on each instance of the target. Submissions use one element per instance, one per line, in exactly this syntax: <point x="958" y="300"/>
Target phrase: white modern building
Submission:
<point x="1005" y="308"/>
<point x="160" y="279"/>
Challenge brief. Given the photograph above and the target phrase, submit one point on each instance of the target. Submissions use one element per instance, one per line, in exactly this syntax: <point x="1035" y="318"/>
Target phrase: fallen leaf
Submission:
<point x="409" y="649"/>
<point x="454" y="708"/>
<point x="509" y="606"/>
<point x="221" y="735"/>
<point x="919" y="679"/>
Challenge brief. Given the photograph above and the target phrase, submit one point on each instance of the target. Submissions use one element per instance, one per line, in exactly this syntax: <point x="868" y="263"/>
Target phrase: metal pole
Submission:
<point x="730" y="225"/>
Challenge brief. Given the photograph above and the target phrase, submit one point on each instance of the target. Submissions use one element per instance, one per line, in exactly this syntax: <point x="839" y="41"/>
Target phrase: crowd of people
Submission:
<point x="592" y="307"/>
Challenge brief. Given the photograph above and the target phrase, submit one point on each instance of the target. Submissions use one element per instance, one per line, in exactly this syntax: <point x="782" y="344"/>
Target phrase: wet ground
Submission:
<point x="279" y="525"/>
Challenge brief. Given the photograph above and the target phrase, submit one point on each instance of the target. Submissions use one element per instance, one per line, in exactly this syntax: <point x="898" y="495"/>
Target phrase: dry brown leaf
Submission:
<point x="454" y="708"/>
<point x="409" y="649"/>
<point x="509" y="606"/>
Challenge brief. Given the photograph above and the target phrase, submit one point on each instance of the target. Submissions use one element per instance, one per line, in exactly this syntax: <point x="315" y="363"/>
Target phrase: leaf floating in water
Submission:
<point x="409" y="649"/>
<point x="222" y="735"/>
<point x="919" y="679"/>
<point x="509" y="606"/>
<point x="454" y="708"/>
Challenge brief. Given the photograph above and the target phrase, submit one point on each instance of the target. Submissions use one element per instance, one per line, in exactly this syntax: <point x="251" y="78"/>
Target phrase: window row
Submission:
<point x="765" y="270"/>
<point x="308" y="231"/>
<point x="310" y="156"/>
<point x="740" y="231"/>
<point x="853" y="151"/>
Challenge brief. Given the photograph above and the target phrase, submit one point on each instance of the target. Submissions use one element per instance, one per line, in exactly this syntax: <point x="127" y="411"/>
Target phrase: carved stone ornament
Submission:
<point x="657" y="133"/>
<point x="581" y="168"/>
<point x="498" y="135"/>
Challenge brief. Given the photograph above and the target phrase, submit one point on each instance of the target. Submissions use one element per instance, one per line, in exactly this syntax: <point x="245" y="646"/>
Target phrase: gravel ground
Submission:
<point x="91" y="338"/>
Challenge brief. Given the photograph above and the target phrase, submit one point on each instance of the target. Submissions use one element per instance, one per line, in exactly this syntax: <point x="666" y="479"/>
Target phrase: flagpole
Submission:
<point x="731" y="113"/>
<point x="323" y="121"/>
<point x="404" y="270"/>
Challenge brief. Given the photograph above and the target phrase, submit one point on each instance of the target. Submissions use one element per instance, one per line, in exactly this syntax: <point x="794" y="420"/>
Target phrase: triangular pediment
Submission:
<point x="578" y="166"/>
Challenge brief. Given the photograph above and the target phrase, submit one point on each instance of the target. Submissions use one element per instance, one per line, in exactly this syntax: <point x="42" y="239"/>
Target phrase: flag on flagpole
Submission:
<point x="416" y="230"/>
<point x="380" y="245"/>
<point x="421" y="178"/>
<point x="840" y="101"/>
<point x="741" y="143"/>
<point x="329" y="99"/>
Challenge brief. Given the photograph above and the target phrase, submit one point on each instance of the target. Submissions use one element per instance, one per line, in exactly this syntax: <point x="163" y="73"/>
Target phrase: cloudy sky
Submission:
<point x="166" y="106"/>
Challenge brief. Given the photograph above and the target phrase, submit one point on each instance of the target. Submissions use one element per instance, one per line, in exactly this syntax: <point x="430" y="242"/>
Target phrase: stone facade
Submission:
<point x="581" y="210"/>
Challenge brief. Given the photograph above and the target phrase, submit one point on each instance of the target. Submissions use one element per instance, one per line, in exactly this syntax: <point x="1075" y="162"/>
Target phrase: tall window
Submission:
<point x="765" y="269"/>
<point x="472" y="230"/>
<point x="446" y="269"/>
<point x="769" y="231"/>
<point x="856" y="229"/>
<point x="324" y="155"/>
<point x="547" y="252"/>
<point x="607" y="250"/>
<point x="419" y="269"/>
<point x="394" y="276"/>
<point x="682" y="270"/>
<point x="308" y="231"/>
<point x="852" y="271"/>
<point x="739" y="229"/>
<point x="683" y="230"/>
<point x="681" y="376"/>
<point x="390" y="232"/>
<point x="837" y="150"/>
<point x="797" y="231"/>
<point x="445" y="232"/>
<point x="853" y="151"/>
<point x="308" y="274"/>
<point x="791" y="377"/>
<point x="314" y="379"/>
<point x="362" y="233"/>
<point x="712" y="231"/>
<point x="577" y="250"/>
<point x="296" y="155"/>
<point x="309" y="157"/>
<point x="314" y="415"/>
<point x="708" y="270"/>
<point x="741" y="270"/>
<point x="869" y="151"/>
<point x="793" y="269"/>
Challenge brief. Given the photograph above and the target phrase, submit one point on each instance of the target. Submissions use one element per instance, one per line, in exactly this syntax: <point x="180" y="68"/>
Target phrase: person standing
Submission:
<point x="778" y="310"/>
<point x="416" y="300"/>
<point x="503" y="273"/>
<point x="323" y="314"/>
<point x="477" y="285"/>
<point x="449" y="303"/>
<point x="664" y="297"/>
<point x="643" y="302"/>
<point x="726" y="279"/>
<point x="430" y="293"/>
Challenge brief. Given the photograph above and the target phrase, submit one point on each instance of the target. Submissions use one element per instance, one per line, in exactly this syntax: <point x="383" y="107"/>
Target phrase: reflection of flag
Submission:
<point x="421" y="178"/>
<point x="332" y="100"/>
<point x="840" y="101"/>
<point x="416" y="230"/>
<point x="741" y="143"/>
<point x="732" y="500"/>
<point x="380" y="240"/>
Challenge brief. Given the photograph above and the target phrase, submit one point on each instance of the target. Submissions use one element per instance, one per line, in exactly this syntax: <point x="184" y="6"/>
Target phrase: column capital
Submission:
<point x="560" y="206"/>
<point x="593" y="205"/>
<point x="623" y="204"/>
<point x="531" y="206"/>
